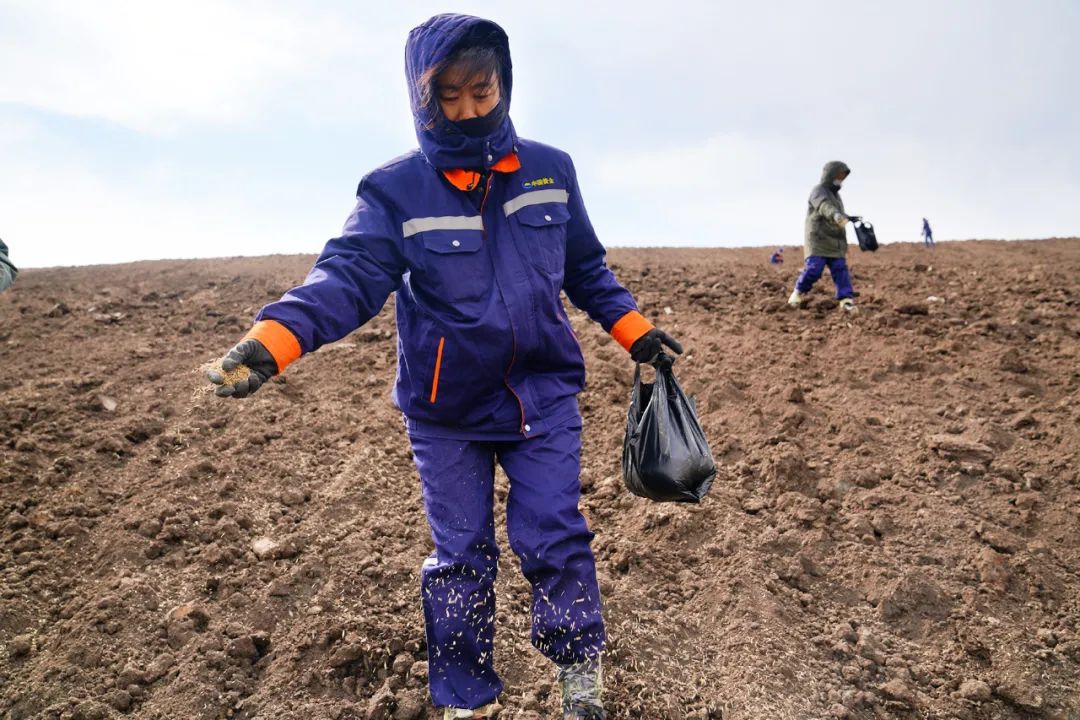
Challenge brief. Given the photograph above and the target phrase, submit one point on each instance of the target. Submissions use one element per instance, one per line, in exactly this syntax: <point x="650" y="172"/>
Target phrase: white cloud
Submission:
<point x="728" y="189"/>
<point x="736" y="190"/>
<point x="156" y="66"/>
<point x="61" y="212"/>
<point x="92" y="222"/>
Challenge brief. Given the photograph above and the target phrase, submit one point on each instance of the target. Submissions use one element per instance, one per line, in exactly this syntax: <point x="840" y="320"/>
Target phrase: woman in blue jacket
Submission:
<point x="476" y="233"/>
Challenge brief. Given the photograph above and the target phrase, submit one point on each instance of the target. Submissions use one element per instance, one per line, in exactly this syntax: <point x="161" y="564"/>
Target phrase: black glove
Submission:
<point x="854" y="218"/>
<point x="649" y="346"/>
<point x="256" y="357"/>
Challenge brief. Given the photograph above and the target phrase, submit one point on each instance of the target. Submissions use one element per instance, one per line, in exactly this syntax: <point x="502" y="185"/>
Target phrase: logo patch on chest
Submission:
<point x="537" y="183"/>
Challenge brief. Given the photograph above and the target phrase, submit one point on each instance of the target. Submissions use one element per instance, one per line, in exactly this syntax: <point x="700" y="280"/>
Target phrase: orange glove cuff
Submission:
<point x="629" y="328"/>
<point x="278" y="340"/>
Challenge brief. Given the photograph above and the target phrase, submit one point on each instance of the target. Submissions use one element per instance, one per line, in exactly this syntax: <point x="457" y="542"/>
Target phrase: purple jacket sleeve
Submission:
<point x="588" y="281"/>
<point x="350" y="281"/>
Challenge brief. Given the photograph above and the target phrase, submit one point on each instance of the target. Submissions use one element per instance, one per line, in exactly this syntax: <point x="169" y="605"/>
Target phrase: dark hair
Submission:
<point x="475" y="60"/>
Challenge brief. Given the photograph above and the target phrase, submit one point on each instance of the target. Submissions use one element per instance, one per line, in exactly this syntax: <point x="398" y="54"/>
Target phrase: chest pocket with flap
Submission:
<point x="455" y="269"/>
<point x="544" y="228"/>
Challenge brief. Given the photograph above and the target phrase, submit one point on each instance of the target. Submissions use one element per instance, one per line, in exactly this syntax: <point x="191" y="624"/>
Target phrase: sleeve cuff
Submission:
<point x="629" y="328"/>
<point x="278" y="340"/>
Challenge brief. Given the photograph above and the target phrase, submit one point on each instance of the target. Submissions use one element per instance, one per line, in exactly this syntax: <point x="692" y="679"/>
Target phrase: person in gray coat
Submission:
<point x="7" y="270"/>
<point x="826" y="238"/>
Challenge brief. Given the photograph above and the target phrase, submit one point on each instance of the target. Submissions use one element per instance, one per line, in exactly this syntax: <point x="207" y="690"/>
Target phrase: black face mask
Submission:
<point x="479" y="127"/>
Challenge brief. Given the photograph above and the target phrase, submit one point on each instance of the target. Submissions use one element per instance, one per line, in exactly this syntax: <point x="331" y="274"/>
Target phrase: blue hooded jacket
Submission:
<point x="485" y="349"/>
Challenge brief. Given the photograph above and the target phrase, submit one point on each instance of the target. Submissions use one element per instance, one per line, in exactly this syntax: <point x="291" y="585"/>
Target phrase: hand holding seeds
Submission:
<point x="243" y="370"/>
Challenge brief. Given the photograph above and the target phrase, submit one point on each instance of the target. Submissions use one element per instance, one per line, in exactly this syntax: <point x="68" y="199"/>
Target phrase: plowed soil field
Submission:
<point x="894" y="531"/>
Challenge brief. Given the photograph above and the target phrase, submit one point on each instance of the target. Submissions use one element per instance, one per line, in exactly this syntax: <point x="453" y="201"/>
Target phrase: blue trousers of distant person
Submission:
<point x="815" y="266"/>
<point x="928" y="239"/>
<point x="548" y="534"/>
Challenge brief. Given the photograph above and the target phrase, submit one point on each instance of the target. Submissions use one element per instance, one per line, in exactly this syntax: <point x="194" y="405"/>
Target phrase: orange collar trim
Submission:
<point x="510" y="163"/>
<point x="466" y="180"/>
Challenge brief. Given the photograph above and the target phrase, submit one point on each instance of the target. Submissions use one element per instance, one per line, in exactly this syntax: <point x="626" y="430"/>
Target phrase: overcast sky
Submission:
<point x="145" y="129"/>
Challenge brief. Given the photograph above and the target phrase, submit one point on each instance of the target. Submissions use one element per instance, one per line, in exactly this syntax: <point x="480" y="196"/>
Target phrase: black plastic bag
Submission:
<point x="665" y="455"/>
<point x="867" y="237"/>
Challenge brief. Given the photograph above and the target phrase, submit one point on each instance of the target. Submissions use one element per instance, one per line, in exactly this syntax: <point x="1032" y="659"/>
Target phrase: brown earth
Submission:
<point x="894" y="533"/>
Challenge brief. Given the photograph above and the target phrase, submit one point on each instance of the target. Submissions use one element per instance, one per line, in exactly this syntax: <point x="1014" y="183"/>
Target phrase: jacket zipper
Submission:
<point x="513" y="335"/>
<point x="442" y="340"/>
<point x="506" y="380"/>
<point x="438" y="369"/>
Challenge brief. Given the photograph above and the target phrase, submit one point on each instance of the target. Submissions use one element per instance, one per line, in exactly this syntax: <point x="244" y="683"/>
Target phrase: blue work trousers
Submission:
<point x="815" y="266"/>
<point x="547" y="532"/>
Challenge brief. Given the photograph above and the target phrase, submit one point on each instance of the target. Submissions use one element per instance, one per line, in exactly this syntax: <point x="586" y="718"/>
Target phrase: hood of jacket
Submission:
<point x="441" y="142"/>
<point x="832" y="171"/>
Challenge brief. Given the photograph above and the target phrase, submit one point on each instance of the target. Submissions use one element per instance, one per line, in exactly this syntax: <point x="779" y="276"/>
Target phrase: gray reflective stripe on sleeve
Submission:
<point x="535" y="197"/>
<point x="447" y="222"/>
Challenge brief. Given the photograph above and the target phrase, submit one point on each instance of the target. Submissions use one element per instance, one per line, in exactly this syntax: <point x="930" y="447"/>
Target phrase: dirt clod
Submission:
<point x="264" y="547"/>
<point x="20" y="646"/>
<point x="976" y="690"/>
<point x="381" y="705"/>
<point x="961" y="449"/>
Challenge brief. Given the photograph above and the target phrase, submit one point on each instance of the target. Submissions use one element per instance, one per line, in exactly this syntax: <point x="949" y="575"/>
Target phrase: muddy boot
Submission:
<point x="582" y="685"/>
<point x="796" y="298"/>
<point x="488" y="711"/>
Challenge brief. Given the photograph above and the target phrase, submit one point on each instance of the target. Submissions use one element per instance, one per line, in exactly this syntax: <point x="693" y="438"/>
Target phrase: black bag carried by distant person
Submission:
<point x="665" y="455"/>
<point x="865" y="232"/>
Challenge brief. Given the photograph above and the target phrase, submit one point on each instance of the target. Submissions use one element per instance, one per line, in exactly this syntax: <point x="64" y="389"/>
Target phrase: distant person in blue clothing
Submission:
<point x="777" y="258"/>
<point x="927" y="233"/>
<point x="476" y="233"/>
<point x="7" y="268"/>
